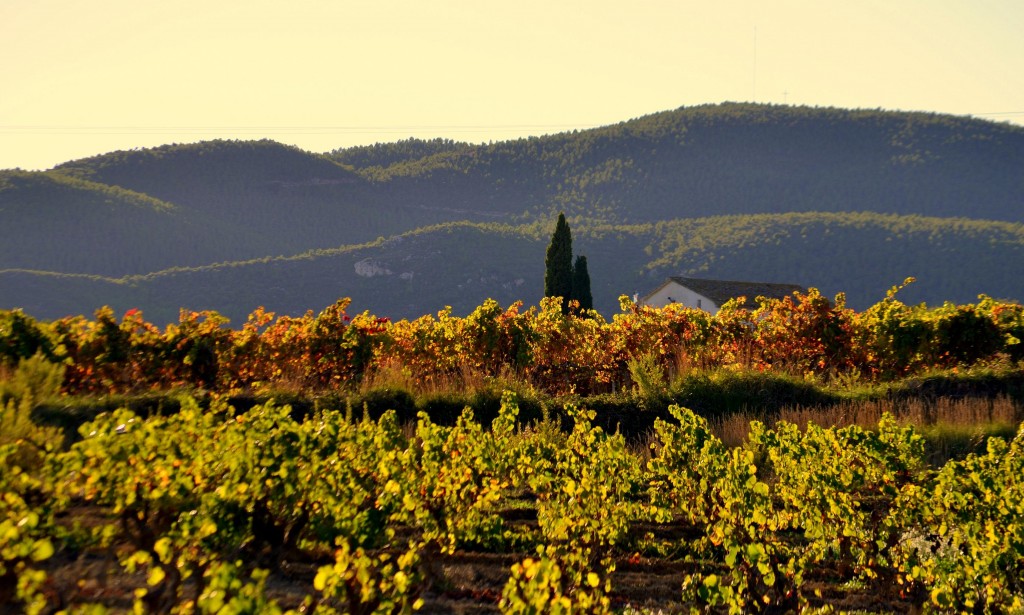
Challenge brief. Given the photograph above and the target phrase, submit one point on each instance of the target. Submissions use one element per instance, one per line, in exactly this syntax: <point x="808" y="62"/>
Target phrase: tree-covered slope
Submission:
<point x="736" y="159"/>
<point x="187" y="205"/>
<point x="690" y="162"/>
<point x="734" y="190"/>
<point x="56" y="222"/>
<point x="462" y="264"/>
<point x="389" y="154"/>
<point x="862" y="254"/>
<point x="291" y="199"/>
<point x="197" y="171"/>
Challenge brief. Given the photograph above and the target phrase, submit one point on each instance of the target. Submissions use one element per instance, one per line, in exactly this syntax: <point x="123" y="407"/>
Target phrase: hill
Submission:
<point x="730" y="159"/>
<point x="57" y="222"/>
<point x="740" y="191"/>
<point x="186" y="205"/>
<point x="291" y="199"/>
<point x="264" y="198"/>
<point x="461" y="264"/>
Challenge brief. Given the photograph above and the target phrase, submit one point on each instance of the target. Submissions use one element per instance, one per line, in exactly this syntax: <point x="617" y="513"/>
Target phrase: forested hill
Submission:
<point x="133" y="213"/>
<point x="726" y="159"/>
<point x="461" y="264"/>
<point x="227" y="200"/>
<point x="271" y="199"/>
<point x="60" y="223"/>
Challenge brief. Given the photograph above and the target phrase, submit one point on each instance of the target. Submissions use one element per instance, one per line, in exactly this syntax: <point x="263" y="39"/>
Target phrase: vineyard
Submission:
<point x="558" y="353"/>
<point x="215" y="509"/>
<point x="224" y="512"/>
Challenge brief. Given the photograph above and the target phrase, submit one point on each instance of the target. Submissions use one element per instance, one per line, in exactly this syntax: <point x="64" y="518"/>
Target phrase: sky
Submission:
<point x="84" y="78"/>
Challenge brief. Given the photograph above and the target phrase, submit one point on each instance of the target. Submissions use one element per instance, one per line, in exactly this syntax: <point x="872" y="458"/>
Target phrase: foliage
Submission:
<point x="966" y="550"/>
<point x="24" y="535"/>
<point x="564" y="278"/>
<point x="21" y="337"/>
<point x="581" y="284"/>
<point x="556" y="352"/>
<point x="360" y="584"/>
<point x="558" y="270"/>
<point x="450" y="484"/>
<point x="35" y="378"/>
<point x="387" y="154"/>
<point x="204" y="507"/>
<point x="226" y="591"/>
<point x="648" y="378"/>
<point x="556" y="581"/>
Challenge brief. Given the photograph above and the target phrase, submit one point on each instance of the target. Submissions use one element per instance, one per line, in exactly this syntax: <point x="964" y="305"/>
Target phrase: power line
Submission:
<point x="100" y="129"/>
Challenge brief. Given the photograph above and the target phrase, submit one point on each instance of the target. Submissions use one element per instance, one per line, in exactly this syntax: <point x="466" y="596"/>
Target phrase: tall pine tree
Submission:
<point x="558" y="263"/>
<point x="581" y="284"/>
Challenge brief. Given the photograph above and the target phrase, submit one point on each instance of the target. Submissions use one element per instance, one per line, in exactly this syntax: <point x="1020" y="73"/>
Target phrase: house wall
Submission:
<point x="675" y="292"/>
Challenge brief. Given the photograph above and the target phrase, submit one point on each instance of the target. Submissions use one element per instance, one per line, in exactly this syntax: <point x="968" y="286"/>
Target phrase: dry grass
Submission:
<point x="948" y="416"/>
<point x="466" y="380"/>
<point x="733" y="429"/>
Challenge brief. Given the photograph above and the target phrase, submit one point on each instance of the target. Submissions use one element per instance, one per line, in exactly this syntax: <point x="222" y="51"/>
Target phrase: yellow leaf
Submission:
<point x="320" y="582"/>
<point x="163" y="549"/>
<point x="156" y="576"/>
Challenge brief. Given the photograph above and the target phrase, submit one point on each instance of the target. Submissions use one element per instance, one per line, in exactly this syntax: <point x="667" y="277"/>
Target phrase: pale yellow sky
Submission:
<point x="83" y="78"/>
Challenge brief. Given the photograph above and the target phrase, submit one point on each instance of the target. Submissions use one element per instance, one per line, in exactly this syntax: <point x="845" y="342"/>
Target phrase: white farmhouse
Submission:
<point x="709" y="295"/>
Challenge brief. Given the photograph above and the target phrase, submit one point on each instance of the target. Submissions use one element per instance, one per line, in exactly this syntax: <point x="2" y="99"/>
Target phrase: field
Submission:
<point x="865" y="492"/>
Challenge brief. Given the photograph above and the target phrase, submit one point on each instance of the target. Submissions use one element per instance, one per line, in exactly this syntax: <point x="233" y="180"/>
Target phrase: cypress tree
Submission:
<point x="581" y="284"/>
<point x="558" y="263"/>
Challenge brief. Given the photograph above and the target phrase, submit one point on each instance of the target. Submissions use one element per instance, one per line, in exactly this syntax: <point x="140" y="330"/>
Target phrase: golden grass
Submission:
<point x="967" y="417"/>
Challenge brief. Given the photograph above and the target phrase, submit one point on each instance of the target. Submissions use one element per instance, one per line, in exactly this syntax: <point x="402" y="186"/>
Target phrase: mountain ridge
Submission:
<point x="263" y="203"/>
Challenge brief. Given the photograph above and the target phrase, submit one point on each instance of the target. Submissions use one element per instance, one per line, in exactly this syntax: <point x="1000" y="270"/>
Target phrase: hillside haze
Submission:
<point x="837" y="199"/>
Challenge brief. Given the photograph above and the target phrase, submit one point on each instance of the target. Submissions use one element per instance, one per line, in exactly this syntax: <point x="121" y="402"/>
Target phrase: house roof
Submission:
<point x="721" y="291"/>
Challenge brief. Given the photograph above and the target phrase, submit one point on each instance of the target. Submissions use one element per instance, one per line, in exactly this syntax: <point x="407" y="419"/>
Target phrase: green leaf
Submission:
<point x="942" y="598"/>
<point x="42" y="549"/>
